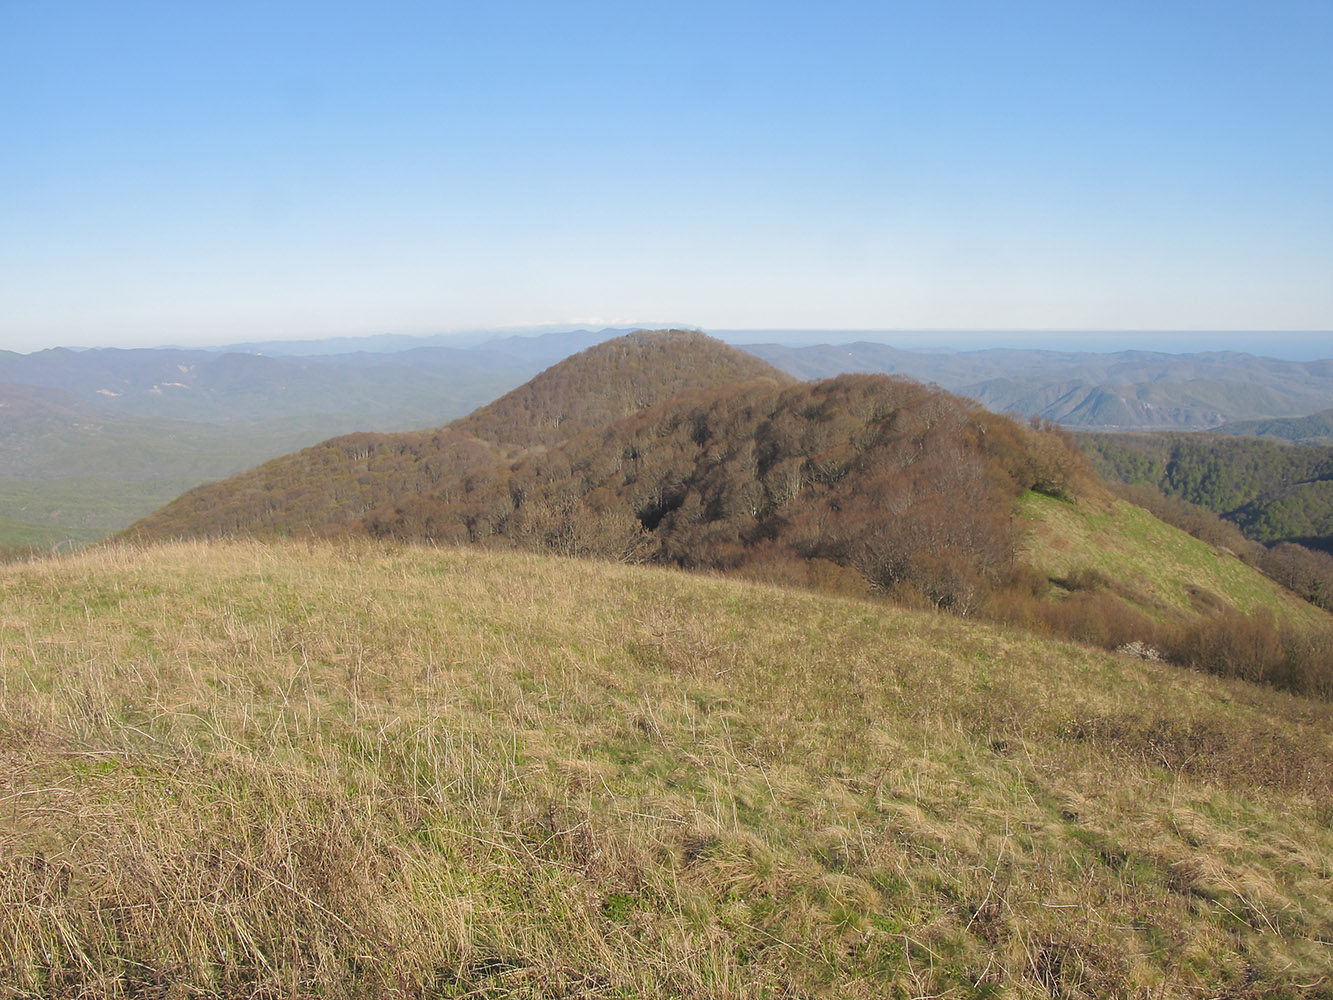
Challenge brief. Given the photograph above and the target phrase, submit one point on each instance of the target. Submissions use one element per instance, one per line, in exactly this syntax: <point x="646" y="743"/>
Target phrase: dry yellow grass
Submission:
<point x="311" y="770"/>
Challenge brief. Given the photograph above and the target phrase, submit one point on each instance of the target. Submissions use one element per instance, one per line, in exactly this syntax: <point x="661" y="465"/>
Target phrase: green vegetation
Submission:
<point x="1273" y="492"/>
<point x="297" y="769"/>
<point x="1314" y="429"/>
<point x="79" y="509"/>
<point x="1161" y="568"/>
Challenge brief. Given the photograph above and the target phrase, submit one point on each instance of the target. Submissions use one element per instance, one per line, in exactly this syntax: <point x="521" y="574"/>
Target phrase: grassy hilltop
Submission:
<point x="298" y="769"/>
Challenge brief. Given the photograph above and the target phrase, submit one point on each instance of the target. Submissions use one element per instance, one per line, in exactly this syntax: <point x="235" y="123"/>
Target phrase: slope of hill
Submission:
<point x="1122" y="390"/>
<point x="860" y="484"/>
<point x="1158" y="570"/>
<point x="241" y="769"/>
<point x="906" y="486"/>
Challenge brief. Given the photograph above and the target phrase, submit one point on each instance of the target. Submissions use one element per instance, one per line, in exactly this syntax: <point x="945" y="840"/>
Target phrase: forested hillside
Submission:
<point x="1273" y="492"/>
<point x="908" y="487"/>
<point x="722" y="463"/>
<point x="329" y="488"/>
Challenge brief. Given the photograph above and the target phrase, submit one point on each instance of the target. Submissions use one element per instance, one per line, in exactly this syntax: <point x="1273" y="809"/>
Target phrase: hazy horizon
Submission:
<point x="1282" y="344"/>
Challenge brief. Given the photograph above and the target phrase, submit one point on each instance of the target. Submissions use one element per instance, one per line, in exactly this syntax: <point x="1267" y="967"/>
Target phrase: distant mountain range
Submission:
<point x="116" y="423"/>
<point x="1127" y="390"/>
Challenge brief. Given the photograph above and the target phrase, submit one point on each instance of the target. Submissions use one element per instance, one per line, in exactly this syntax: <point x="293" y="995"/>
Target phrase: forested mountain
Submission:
<point x="1273" y="492"/>
<point x="1123" y="390"/>
<point x="1314" y="429"/>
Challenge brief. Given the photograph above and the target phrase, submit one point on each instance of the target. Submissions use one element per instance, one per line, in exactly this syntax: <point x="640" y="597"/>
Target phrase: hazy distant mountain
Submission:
<point x="1124" y="390"/>
<point x="414" y="389"/>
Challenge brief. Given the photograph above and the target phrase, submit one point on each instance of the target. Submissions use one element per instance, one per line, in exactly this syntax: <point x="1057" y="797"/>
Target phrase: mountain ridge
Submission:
<point x="1122" y="390"/>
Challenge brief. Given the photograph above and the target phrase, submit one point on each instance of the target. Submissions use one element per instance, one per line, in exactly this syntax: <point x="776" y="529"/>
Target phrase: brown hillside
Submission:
<point x="328" y="488"/>
<point x="880" y="480"/>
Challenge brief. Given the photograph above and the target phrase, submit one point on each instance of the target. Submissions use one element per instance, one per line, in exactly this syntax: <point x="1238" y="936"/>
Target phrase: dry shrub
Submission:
<point x="1097" y="617"/>
<point x="772" y="565"/>
<point x="1232" y="754"/>
<point x="1254" y="648"/>
<point x="1231" y="644"/>
<point x="1307" y="666"/>
<point x="1303" y="571"/>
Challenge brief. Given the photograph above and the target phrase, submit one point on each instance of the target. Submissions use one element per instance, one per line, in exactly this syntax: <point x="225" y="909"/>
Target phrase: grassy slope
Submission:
<point x="1162" y="565"/>
<point x="307" y="769"/>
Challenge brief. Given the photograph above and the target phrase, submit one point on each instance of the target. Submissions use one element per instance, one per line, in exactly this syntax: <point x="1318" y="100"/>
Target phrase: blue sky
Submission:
<point x="213" y="172"/>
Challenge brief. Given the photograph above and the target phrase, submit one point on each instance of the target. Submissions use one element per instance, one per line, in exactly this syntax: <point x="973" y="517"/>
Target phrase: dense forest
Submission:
<point x="1273" y="492"/>
<point x="910" y="488"/>
<point x="675" y="448"/>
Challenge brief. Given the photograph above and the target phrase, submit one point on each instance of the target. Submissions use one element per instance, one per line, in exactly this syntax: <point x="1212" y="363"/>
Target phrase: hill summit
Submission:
<point x="609" y="381"/>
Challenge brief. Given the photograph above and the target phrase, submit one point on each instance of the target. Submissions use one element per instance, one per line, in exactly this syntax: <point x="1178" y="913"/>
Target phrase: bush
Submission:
<point x="1302" y="571"/>
<point x="1231" y="644"/>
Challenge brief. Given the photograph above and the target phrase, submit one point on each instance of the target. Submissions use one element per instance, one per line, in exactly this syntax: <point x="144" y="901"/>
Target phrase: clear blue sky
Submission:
<point x="184" y="172"/>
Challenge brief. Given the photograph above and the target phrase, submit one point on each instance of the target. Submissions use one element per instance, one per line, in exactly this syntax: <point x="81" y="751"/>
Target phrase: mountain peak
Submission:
<point x="611" y="380"/>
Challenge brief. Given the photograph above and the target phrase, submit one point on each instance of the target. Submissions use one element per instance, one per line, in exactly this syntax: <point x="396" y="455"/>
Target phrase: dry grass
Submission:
<point x="309" y="770"/>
